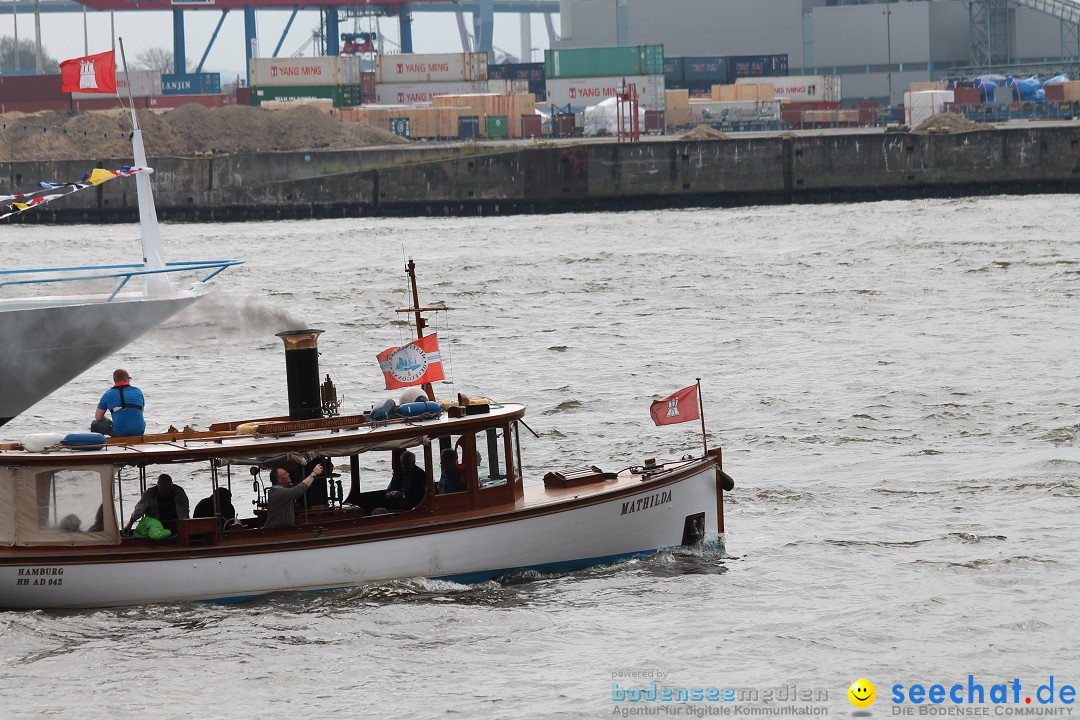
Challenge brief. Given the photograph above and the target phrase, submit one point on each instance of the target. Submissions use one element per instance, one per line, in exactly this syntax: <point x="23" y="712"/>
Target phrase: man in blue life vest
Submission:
<point x="125" y="402"/>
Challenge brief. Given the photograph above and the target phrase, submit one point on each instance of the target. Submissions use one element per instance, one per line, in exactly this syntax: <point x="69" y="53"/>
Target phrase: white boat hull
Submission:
<point x="607" y="529"/>
<point x="42" y="348"/>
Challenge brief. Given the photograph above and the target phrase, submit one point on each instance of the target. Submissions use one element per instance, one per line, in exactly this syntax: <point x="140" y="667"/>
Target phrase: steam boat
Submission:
<point x="61" y="507"/>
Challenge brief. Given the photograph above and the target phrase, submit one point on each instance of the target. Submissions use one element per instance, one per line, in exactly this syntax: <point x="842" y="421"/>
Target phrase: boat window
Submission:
<point x="494" y="451"/>
<point x="70" y="501"/>
<point x="449" y="472"/>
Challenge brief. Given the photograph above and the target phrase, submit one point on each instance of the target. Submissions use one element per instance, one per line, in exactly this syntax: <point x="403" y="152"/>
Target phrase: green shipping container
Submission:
<point x="604" y="62"/>
<point x="340" y="95"/>
<point x="498" y="126"/>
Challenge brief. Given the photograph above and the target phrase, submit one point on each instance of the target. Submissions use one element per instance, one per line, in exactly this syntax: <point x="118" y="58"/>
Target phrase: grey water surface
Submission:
<point x="894" y="386"/>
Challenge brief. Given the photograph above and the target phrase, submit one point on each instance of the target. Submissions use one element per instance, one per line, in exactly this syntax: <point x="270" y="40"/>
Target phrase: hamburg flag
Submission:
<point x="90" y="74"/>
<point x="417" y="363"/>
<point x="680" y="406"/>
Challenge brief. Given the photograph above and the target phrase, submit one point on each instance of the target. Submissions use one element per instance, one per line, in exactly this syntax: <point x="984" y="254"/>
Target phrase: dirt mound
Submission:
<point x="704" y="132"/>
<point x="947" y="123"/>
<point x="185" y="131"/>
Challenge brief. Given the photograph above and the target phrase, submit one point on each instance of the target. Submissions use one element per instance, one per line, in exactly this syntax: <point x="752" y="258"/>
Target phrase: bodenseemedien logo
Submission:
<point x="862" y="693"/>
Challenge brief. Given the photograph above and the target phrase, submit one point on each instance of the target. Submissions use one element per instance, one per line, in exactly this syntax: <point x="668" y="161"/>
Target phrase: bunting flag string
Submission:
<point x="21" y="202"/>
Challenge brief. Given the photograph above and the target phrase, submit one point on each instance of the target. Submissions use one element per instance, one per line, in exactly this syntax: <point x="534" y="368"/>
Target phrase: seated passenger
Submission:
<point x="225" y="509"/>
<point x="149" y="526"/>
<point x="450" y="480"/>
<point x="171" y="502"/>
<point x="406" y="488"/>
<point x="280" y="510"/>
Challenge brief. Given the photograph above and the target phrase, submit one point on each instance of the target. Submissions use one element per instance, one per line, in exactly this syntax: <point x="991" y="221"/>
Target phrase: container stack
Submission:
<point x="699" y="73"/>
<point x="336" y="79"/>
<point x="416" y="79"/>
<point x="581" y="77"/>
<point x="530" y="74"/>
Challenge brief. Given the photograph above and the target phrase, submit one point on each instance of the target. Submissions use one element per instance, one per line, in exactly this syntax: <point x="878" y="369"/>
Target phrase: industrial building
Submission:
<point x="879" y="48"/>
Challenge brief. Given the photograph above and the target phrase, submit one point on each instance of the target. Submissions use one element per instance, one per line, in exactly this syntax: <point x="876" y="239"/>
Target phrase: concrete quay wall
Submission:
<point x="471" y="180"/>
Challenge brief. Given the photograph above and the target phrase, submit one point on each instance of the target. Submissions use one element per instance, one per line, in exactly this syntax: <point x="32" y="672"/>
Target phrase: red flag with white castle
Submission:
<point x="417" y="363"/>
<point x="680" y="406"/>
<point x="90" y="74"/>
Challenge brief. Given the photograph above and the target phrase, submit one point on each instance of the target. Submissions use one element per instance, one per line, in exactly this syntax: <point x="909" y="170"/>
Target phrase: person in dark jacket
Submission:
<point x="280" y="510"/>
<point x="171" y="501"/>
<point x="224" y="510"/>
<point x="406" y="488"/>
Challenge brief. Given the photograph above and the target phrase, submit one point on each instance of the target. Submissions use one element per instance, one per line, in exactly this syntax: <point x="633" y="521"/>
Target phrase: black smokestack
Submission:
<point x="302" y="370"/>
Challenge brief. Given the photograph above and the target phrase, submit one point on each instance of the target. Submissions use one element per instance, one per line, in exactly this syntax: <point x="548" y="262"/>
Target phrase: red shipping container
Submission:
<point x="966" y="96"/>
<point x="367" y="88"/>
<point x="105" y="103"/>
<point x="31" y="87"/>
<point x="243" y="96"/>
<point x="168" y="102"/>
<point x="1054" y="92"/>
<point x="531" y="126"/>
<point x="33" y="106"/>
<point x="654" y="121"/>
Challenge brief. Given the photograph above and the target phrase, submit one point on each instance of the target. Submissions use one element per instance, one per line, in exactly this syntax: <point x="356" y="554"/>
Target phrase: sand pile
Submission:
<point x="185" y="131"/>
<point x="948" y="123"/>
<point x="704" y="132"/>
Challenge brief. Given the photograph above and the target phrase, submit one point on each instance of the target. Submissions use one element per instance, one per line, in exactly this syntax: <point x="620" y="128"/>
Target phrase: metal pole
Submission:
<point x="15" y="22"/>
<point x="37" y="36"/>
<point x="85" y="34"/>
<point x="701" y="412"/>
<point x="888" y="46"/>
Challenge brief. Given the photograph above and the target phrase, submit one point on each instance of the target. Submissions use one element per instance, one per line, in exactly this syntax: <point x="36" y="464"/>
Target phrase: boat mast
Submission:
<point x="419" y="320"/>
<point x="153" y="257"/>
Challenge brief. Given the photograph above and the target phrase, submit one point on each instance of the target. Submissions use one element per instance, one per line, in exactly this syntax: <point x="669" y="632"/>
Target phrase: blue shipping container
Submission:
<point x="673" y="72"/>
<point x="757" y="66"/>
<point x="713" y="70"/>
<point x="516" y="71"/>
<point x="191" y="84"/>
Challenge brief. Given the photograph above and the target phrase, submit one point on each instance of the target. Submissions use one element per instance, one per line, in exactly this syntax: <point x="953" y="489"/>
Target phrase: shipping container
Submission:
<point x="701" y="70"/>
<point x="604" y="62"/>
<point x="416" y="93"/>
<point x="516" y="71"/>
<point x="654" y="122"/>
<point x="510" y="106"/>
<point x="582" y="92"/>
<point x="305" y="71"/>
<point x="532" y="126"/>
<point x="756" y="66"/>
<point x="341" y="95"/>
<point x="498" y="126"/>
<point x="920" y="106"/>
<point x="144" y="83"/>
<point x="468" y="127"/>
<point x="801" y="88"/>
<point x="431" y="68"/>
<point x="160" y="104"/>
<point x="191" y="84"/>
<point x="33" y="106"/>
<point x="243" y="96"/>
<point x="367" y="88"/>
<point x="673" y="73"/>
<point x="972" y="96"/>
<point x="743" y="92"/>
<point x="21" y="88"/>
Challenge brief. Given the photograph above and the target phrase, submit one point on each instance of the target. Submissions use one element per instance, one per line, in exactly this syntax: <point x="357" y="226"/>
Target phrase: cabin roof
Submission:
<point x="264" y="441"/>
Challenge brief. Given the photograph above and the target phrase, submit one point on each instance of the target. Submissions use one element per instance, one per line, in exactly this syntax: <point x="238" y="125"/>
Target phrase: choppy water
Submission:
<point x="894" y="385"/>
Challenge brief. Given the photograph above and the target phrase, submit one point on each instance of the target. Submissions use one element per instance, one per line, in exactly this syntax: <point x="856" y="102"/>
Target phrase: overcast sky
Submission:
<point x="62" y="34"/>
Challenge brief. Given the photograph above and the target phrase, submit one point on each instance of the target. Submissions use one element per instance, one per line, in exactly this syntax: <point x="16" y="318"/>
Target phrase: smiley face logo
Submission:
<point x="862" y="693"/>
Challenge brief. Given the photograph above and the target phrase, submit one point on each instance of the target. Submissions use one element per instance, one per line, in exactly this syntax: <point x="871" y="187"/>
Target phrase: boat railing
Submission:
<point x="122" y="272"/>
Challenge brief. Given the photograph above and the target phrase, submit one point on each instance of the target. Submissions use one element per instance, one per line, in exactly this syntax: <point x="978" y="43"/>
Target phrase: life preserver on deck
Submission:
<point x="37" y="442"/>
<point x="382" y="410"/>
<point x="84" y="441"/>
<point x="426" y="409"/>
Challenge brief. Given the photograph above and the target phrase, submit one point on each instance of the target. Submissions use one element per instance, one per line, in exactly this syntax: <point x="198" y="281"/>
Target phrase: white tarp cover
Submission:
<point x="61" y="505"/>
<point x="603" y="118"/>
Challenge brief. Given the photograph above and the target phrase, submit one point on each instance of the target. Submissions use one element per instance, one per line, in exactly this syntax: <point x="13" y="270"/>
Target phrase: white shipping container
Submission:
<point x="801" y="88"/>
<point x="919" y="106"/>
<point x="305" y="71"/>
<point x="144" y="83"/>
<point x="428" y="68"/>
<point x="418" y="93"/>
<point x="583" y="92"/>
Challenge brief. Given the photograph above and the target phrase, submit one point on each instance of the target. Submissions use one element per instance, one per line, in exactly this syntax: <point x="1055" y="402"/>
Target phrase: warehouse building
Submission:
<point x="878" y="48"/>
